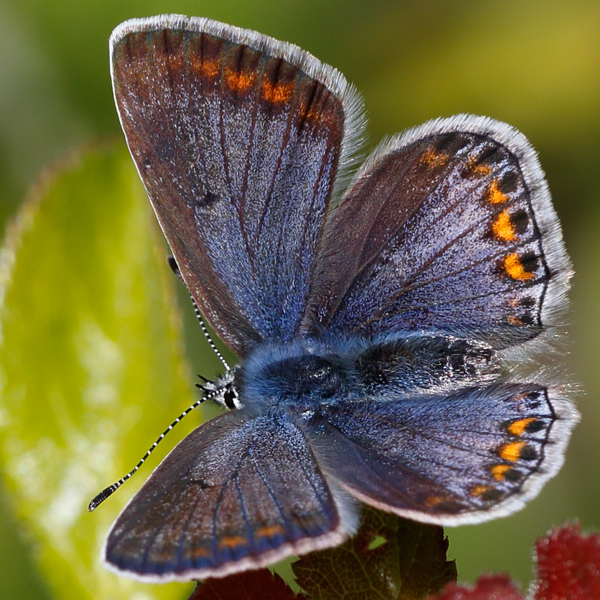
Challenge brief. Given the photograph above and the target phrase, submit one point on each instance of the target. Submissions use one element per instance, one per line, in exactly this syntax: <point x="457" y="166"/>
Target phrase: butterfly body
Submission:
<point x="312" y="372"/>
<point x="378" y="316"/>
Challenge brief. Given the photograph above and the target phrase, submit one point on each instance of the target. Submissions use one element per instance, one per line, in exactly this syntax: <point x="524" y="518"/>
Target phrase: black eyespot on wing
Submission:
<point x="509" y="181"/>
<point x="207" y="200"/>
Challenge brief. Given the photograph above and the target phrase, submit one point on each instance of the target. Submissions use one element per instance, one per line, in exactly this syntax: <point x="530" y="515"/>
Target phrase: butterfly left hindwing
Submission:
<point x="241" y="491"/>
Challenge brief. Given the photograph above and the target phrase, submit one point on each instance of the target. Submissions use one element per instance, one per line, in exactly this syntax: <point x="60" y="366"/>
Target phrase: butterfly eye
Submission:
<point x="229" y="399"/>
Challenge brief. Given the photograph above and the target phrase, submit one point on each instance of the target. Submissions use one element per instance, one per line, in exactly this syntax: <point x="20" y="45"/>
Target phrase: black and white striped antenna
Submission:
<point x="175" y="268"/>
<point x="106" y="492"/>
<point x="211" y="392"/>
<point x="207" y="336"/>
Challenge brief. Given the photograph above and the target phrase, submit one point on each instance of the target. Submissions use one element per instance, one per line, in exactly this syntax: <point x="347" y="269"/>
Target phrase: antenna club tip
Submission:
<point x="100" y="498"/>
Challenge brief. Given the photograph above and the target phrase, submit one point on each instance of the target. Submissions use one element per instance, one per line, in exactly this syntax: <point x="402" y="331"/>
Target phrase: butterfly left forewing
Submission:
<point x="238" y="139"/>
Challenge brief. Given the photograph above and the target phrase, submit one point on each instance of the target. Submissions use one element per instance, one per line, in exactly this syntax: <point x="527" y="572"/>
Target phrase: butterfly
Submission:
<point x="379" y="314"/>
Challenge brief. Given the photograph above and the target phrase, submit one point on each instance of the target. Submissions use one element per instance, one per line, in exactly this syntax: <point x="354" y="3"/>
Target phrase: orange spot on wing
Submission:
<point x="478" y="490"/>
<point x="239" y="82"/>
<point x="512" y="452"/>
<point x="519" y="427"/>
<point x="499" y="471"/>
<point x="209" y="68"/>
<point x="434" y="500"/>
<point x="277" y="93"/>
<point x="495" y="195"/>
<point x="514" y="267"/>
<point x="513" y="320"/>
<point x="176" y="62"/>
<point x="433" y="159"/>
<point x="481" y="169"/>
<point x="503" y="228"/>
<point x="312" y="114"/>
<point x="269" y="531"/>
<point x="198" y="552"/>
<point x="232" y="541"/>
<point x="514" y="302"/>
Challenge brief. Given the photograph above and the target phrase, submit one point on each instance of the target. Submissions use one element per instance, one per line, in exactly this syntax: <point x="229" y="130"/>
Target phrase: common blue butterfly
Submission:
<point x="377" y="318"/>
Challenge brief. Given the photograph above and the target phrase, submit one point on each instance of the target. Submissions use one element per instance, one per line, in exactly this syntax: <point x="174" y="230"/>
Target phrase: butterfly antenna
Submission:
<point x="105" y="493"/>
<point x="175" y="268"/>
<point x="207" y="336"/>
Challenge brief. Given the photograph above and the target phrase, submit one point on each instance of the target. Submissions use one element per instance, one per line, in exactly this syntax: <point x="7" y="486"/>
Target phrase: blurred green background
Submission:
<point x="532" y="63"/>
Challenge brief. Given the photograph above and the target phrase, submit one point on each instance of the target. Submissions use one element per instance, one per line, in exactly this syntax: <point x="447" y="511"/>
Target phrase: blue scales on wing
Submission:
<point x="448" y="227"/>
<point x="238" y="147"/>
<point x="455" y="458"/>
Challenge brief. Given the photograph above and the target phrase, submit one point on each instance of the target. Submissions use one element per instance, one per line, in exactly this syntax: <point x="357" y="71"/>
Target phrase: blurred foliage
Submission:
<point x="90" y="363"/>
<point x="567" y="567"/>
<point x="532" y="63"/>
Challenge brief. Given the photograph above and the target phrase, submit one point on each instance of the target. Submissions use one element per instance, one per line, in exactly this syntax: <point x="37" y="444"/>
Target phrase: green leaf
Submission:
<point x="389" y="559"/>
<point x="91" y="364"/>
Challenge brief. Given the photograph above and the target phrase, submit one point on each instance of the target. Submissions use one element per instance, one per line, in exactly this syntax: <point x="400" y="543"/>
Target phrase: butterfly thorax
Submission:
<point x="298" y="377"/>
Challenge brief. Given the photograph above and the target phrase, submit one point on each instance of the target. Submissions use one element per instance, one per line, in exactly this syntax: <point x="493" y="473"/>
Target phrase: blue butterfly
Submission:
<point x="378" y="318"/>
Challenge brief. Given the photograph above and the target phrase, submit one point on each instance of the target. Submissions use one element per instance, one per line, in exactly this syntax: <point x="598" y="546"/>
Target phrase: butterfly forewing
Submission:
<point x="451" y="227"/>
<point x="238" y="147"/>
<point x="237" y="493"/>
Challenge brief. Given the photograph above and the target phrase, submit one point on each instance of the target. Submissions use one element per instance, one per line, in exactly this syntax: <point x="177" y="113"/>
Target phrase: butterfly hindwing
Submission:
<point x="237" y="493"/>
<point x="449" y="227"/>
<point x="238" y="139"/>
<point x="462" y="457"/>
